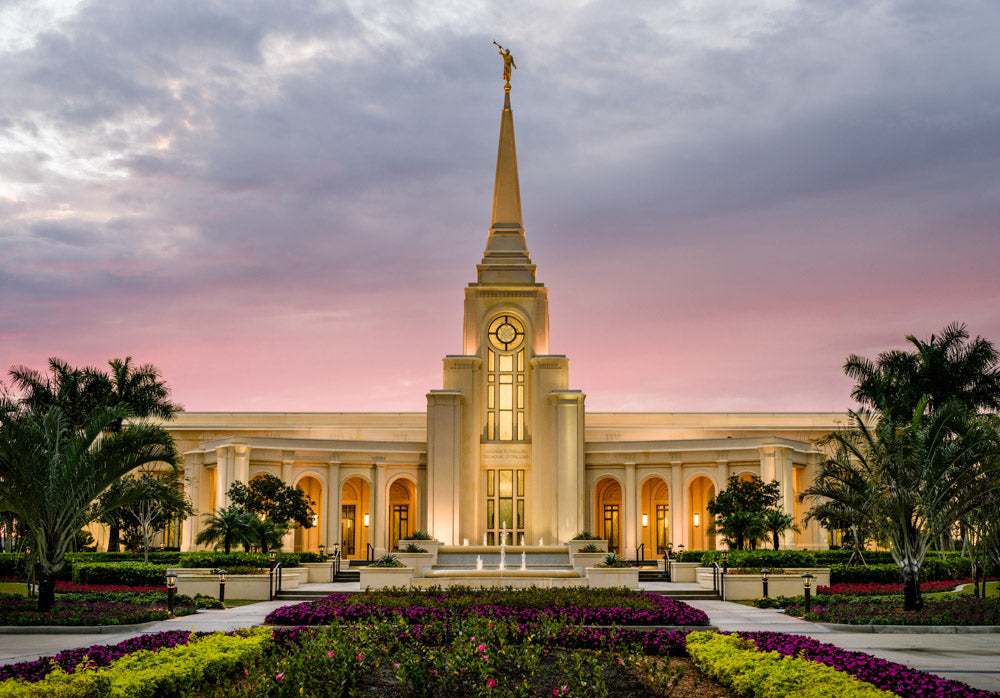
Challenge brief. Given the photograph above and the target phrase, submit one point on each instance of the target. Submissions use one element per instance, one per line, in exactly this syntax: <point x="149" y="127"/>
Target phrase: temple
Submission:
<point x="506" y="446"/>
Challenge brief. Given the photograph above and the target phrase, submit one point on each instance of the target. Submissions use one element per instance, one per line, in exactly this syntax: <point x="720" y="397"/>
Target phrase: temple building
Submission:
<point x="506" y="443"/>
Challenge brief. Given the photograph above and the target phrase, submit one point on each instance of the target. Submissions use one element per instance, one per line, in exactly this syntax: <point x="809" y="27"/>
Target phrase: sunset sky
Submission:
<point x="279" y="204"/>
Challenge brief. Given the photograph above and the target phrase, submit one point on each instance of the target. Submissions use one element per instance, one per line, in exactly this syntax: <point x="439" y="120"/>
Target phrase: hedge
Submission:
<point x="175" y="671"/>
<point x="934" y="569"/>
<point x="209" y="558"/>
<point x="133" y="574"/>
<point x="738" y="664"/>
<point x="159" y="557"/>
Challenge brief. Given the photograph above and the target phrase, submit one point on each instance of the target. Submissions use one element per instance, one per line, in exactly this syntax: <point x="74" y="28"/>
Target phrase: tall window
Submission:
<point x="504" y="505"/>
<point x="611" y="526"/>
<point x="347" y="519"/>
<point x="662" y="527"/>
<point x="505" y="386"/>
<point x="400" y="524"/>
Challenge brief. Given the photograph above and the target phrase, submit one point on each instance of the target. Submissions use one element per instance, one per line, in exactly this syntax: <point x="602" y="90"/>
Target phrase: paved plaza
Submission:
<point x="973" y="658"/>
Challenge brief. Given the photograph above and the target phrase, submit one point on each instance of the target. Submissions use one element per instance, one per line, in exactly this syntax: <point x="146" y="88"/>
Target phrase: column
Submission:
<point x="567" y="408"/>
<point x="783" y="466"/>
<point x="241" y="465"/>
<point x="222" y="476"/>
<point x="333" y="498"/>
<point x="722" y="477"/>
<point x="444" y="454"/>
<point x="193" y="471"/>
<point x="379" y="511"/>
<point x="629" y="515"/>
<point x="678" y="533"/>
<point x="287" y="460"/>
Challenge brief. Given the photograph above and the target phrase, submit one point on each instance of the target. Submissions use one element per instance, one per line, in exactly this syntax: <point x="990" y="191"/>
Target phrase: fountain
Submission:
<point x="524" y="561"/>
<point x="465" y="542"/>
<point x="503" y="559"/>
<point x="540" y="542"/>
<point x="479" y="562"/>
<point x="484" y="538"/>
<point x="522" y="540"/>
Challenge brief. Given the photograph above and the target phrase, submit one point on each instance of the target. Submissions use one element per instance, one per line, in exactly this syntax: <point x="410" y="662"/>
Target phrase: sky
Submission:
<point x="279" y="203"/>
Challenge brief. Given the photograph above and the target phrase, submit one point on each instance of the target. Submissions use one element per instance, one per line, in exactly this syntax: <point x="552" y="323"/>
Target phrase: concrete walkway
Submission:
<point x="972" y="658"/>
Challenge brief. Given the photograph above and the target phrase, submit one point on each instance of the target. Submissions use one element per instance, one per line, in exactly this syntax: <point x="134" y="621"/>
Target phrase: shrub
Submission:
<point x="133" y="574"/>
<point x="612" y="560"/>
<point x="414" y="548"/>
<point x="260" y="560"/>
<point x="762" y="558"/>
<point x="585" y="535"/>
<point x="388" y="560"/>
<point x="689" y="555"/>
<point x="736" y="662"/>
<point x="591" y="549"/>
<point x="421" y="535"/>
<point x="59" y="684"/>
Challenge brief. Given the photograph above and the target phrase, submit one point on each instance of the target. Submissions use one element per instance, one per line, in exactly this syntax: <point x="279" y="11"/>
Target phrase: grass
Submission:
<point x="966" y="590"/>
<point x="233" y="603"/>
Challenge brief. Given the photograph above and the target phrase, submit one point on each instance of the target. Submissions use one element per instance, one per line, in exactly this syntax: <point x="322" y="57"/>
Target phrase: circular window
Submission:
<point x="506" y="333"/>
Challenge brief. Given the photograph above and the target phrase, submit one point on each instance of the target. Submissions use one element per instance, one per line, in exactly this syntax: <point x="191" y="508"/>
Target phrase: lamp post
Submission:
<point x="763" y="579"/>
<point x="806" y="587"/>
<point x="666" y="560"/>
<point x="222" y="585"/>
<point x="272" y="555"/>
<point x="171" y="589"/>
<point x="322" y="552"/>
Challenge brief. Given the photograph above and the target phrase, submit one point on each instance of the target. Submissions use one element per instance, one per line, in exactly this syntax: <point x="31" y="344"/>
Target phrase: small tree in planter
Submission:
<point x="388" y="560"/>
<point x="612" y="560"/>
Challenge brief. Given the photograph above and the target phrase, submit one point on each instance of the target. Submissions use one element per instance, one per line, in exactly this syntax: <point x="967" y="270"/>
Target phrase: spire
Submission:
<point x="506" y="258"/>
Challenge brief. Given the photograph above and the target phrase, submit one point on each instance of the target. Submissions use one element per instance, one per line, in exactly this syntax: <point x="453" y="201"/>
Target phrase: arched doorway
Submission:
<point x="655" y="516"/>
<point x="402" y="511"/>
<point x="355" y="519"/>
<point x="700" y="491"/>
<point x="608" y="512"/>
<point x="308" y="539"/>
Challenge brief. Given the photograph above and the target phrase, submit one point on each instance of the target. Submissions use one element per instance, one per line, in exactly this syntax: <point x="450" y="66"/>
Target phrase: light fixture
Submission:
<point x="697" y="520"/>
<point x="273" y="555"/>
<point x="645" y="520"/>
<point x="222" y="576"/>
<point x="171" y="580"/>
<point x="222" y="585"/>
<point x="322" y="550"/>
<point x="315" y="519"/>
<point x="171" y="589"/>
<point x="367" y="519"/>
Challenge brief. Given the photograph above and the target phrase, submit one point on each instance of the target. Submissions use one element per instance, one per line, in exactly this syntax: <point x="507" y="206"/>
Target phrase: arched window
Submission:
<point x="505" y="385"/>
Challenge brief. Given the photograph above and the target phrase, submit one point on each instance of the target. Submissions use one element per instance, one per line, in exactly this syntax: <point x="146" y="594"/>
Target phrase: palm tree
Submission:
<point x="51" y="473"/>
<point x="946" y="368"/>
<point x="226" y="526"/>
<point x="913" y="480"/>
<point x="777" y="522"/>
<point x="265" y="533"/>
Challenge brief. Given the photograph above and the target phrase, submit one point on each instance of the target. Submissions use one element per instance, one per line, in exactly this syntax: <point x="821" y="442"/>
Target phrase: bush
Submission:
<point x="762" y="558"/>
<point x="737" y="663"/>
<point x="612" y="560"/>
<point x="421" y="535"/>
<point x="689" y="555"/>
<point x="133" y="574"/>
<point x="585" y="535"/>
<point x="155" y="556"/>
<point x="214" y="559"/>
<point x="388" y="560"/>
<point x="13" y="565"/>
<point x="934" y="569"/>
<point x="414" y="548"/>
<point x="59" y="684"/>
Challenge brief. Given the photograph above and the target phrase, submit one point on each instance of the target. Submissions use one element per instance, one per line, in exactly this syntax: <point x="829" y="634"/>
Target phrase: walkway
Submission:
<point x="973" y="658"/>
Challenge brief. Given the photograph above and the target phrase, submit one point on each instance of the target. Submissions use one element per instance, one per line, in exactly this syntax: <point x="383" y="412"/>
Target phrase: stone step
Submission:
<point x="703" y="595"/>
<point x="297" y="595"/>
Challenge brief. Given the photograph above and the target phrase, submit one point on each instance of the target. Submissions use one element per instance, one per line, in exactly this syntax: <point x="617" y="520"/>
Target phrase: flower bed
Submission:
<point x="92" y="609"/>
<point x="889" y="611"/>
<point x="874" y="589"/>
<point x="527" y="606"/>
<point x="889" y="676"/>
<point x="71" y="587"/>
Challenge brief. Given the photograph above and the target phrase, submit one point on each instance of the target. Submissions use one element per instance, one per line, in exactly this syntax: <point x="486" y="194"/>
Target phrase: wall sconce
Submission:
<point x="315" y="519"/>
<point x="367" y="519"/>
<point x="697" y="520"/>
<point x="645" y="520"/>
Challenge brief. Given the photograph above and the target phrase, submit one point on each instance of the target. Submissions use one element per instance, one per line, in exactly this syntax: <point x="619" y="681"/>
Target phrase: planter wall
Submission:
<point x="749" y="586"/>
<point x="385" y="577"/>
<point x="318" y="572"/>
<point x="613" y="577"/>
<point x="684" y="572"/>
<point x="576" y="545"/>
<point x="238" y="586"/>
<point x="430" y="546"/>
<point x="418" y="562"/>
<point x="581" y="561"/>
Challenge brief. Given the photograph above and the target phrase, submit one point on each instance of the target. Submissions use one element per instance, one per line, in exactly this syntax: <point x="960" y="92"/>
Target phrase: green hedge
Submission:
<point x="763" y="558"/>
<point x="133" y="574"/>
<point x="176" y="671"/>
<point x="934" y="569"/>
<point x="736" y="663"/>
<point x="215" y="559"/>
<point x="688" y="555"/>
<point x="155" y="557"/>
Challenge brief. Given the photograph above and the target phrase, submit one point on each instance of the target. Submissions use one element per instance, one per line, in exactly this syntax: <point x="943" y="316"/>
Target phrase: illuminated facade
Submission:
<point x="506" y="444"/>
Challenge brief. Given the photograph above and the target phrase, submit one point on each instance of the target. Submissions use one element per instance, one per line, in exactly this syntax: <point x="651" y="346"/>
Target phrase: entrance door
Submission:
<point x="611" y="526"/>
<point x="400" y="524"/>
<point x="662" y="527"/>
<point x="504" y="505"/>
<point x="347" y="528"/>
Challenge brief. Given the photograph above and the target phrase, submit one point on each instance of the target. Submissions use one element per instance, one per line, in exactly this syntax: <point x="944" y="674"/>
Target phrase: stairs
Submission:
<point x="687" y="594"/>
<point x="299" y="595"/>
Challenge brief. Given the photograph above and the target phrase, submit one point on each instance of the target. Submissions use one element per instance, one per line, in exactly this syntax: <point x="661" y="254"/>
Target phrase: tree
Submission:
<point x="156" y="500"/>
<point x="777" y="522"/>
<point x="947" y="368"/>
<point x="227" y="527"/>
<point x="912" y="480"/>
<point x="79" y="391"/>
<point x="265" y="534"/>
<point x="51" y="472"/>
<point x="269" y="498"/>
<point x="738" y="510"/>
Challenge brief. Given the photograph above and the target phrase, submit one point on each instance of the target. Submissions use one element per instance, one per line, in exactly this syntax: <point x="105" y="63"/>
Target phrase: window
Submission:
<point x="504" y="505"/>
<point x="505" y="384"/>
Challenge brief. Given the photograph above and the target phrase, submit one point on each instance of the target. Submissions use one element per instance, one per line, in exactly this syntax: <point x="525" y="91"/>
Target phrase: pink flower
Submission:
<point x="330" y="654"/>
<point x="360" y="656"/>
<point x="280" y="676"/>
<point x="490" y="683"/>
<point x="481" y="648"/>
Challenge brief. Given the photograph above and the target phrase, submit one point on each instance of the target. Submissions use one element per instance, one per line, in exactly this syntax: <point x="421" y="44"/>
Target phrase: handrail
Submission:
<point x="715" y="576"/>
<point x="640" y="554"/>
<point x="370" y="553"/>
<point x="336" y="565"/>
<point x="274" y="574"/>
<point x="666" y="565"/>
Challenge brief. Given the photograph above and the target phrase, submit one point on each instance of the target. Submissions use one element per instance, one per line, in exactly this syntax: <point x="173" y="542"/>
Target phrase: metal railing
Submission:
<point x="274" y="581"/>
<point x="640" y="554"/>
<point x="370" y="554"/>
<point x="335" y="570"/>
<point x="666" y="565"/>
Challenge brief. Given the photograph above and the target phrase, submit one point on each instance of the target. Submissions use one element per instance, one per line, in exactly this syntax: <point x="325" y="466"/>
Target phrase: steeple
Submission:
<point x="506" y="259"/>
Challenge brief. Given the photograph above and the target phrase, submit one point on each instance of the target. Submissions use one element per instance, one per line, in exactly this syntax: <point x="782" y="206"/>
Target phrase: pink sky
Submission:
<point x="280" y="210"/>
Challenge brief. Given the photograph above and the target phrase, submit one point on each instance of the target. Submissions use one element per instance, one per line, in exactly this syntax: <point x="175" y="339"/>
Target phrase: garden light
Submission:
<point x="222" y="585"/>
<point x="273" y="556"/>
<point x="764" y="573"/>
<point x="171" y="590"/>
<point x="322" y="551"/>
<point x="806" y="586"/>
